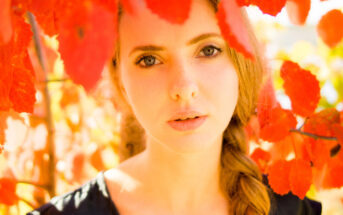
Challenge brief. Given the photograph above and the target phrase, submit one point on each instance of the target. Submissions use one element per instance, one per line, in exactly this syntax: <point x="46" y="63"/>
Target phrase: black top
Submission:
<point x="93" y="198"/>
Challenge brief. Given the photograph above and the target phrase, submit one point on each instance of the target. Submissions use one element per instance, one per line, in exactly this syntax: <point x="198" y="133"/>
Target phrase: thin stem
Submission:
<point x="56" y="80"/>
<point x="46" y="94"/>
<point x="315" y="136"/>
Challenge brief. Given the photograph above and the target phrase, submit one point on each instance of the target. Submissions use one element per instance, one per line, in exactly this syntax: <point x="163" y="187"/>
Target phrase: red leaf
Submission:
<point x="3" y="127"/>
<point x="277" y="128"/>
<point x="87" y="37"/>
<point x="338" y="131"/>
<point x="17" y="77"/>
<point x="302" y="88"/>
<point x="261" y="158"/>
<point x="174" y="11"/>
<point x="321" y="123"/>
<point x="233" y="28"/>
<point x="271" y="7"/>
<point x="278" y="176"/>
<point x="293" y="142"/>
<point x="8" y="187"/>
<point x="127" y="5"/>
<point x="5" y="23"/>
<point x="298" y="10"/>
<point x="252" y="129"/>
<point x="45" y="14"/>
<point x="6" y="79"/>
<point x="266" y="102"/>
<point x="300" y="177"/>
<point x="23" y="92"/>
<point x="330" y="27"/>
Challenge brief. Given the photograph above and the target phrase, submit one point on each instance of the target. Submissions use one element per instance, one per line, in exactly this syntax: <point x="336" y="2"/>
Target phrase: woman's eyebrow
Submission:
<point x="160" y="48"/>
<point x="202" y="37"/>
<point x="147" y="48"/>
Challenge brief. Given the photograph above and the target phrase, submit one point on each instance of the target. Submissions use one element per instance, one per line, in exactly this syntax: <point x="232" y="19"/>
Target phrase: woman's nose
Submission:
<point x="184" y="87"/>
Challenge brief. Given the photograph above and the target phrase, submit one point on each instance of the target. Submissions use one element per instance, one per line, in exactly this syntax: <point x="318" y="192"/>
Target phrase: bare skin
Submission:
<point x="178" y="173"/>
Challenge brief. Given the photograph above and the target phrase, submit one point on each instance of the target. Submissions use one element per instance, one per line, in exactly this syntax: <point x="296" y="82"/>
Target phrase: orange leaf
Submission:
<point x="17" y="76"/>
<point x="8" y="187"/>
<point x="278" y="176"/>
<point x="175" y="11"/>
<point x="338" y="131"/>
<point x="232" y="27"/>
<point x="261" y="158"/>
<point x="300" y="177"/>
<point x="5" y="23"/>
<point x="298" y="10"/>
<point x="23" y="92"/>
<point x="266" y="102"/>
<point x="127" y="5"/>
<point x="278" y="126"/>
<point x="271" y="7"/>
<point x="302" y="88"/>
<point x="87" y="36"/>
<point x="252" y="129"/>
<point x="330" y="28"/>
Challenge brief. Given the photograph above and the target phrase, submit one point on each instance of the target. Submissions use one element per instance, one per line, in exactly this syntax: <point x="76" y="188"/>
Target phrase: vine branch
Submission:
<point x="46" y="94"/>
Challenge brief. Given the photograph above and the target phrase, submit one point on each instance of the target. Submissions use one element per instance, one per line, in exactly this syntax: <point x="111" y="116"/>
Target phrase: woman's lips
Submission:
<point x="188" y="124"/>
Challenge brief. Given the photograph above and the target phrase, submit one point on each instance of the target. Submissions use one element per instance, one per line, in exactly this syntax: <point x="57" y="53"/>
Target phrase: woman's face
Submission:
<point x="167" y="68"/>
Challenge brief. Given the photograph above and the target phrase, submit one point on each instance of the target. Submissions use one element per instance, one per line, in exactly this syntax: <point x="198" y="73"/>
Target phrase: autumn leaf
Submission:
<point x="46" y="14"/>
<point x="300" y="177"/>
<point x="174" y="11"/>
<point x="266" y="102"/>
<point x="8" y="186"/>
<point x="292" y="143"/>
<point x="279" y="124"/>
<point x="127" y="5"/>
<point x="5" y="23"/>
<point x="298" y="10"/>
<point x="321" y="123"/>
<point x="271" y="7"/>
<point x="17" y="88"/>
<point x="333" y="177"/>
<point x="302" y="88"/>
<point x="252" y="129"/>
<point x="3" y="127"/>
<point x="330" y="28"/>
<point x="22" y="92"/>
<point x="87" y="37"/>
<point x="261" y="158"/>
<point x="338" y="132"/>
<point x="233" y="28"/>
<point x="278" y="176"/>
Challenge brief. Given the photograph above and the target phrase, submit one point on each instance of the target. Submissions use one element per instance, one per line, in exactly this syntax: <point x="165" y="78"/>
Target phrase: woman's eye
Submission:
<point x="147" y="61"/>
<point x="209" y="51"/>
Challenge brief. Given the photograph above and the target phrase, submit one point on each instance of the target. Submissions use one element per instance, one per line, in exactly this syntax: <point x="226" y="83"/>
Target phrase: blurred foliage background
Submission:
<point x="84" y="129"/>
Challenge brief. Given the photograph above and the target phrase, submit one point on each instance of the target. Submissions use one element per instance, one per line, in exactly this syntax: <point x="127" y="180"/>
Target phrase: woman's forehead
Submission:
<point x="145" y="27"/>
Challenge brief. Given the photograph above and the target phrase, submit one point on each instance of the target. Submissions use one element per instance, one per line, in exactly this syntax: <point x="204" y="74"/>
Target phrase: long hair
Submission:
<point x="240" y="177"/>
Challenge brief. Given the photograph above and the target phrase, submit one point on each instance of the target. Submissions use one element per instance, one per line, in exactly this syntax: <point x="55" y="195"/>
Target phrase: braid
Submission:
<point x="240" y="176"/>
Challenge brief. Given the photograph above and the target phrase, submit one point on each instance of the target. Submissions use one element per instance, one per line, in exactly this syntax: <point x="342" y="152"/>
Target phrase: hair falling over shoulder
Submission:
<point x="241" y="179"/>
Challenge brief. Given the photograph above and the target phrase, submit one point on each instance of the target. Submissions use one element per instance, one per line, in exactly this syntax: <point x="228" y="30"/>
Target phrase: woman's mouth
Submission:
<point x="187" y="124"/>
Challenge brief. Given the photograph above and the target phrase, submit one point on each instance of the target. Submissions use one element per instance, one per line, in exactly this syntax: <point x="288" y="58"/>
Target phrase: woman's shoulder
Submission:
<point x="90" y="198"/>
<point x="291" y="204"/>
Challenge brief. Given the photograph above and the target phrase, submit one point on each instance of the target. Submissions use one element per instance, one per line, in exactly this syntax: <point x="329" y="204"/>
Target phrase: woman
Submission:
<point x="184" y="96"/>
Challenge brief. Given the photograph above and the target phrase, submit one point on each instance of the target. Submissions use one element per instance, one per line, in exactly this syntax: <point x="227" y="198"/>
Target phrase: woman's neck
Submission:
<point x="180" y="182"/>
